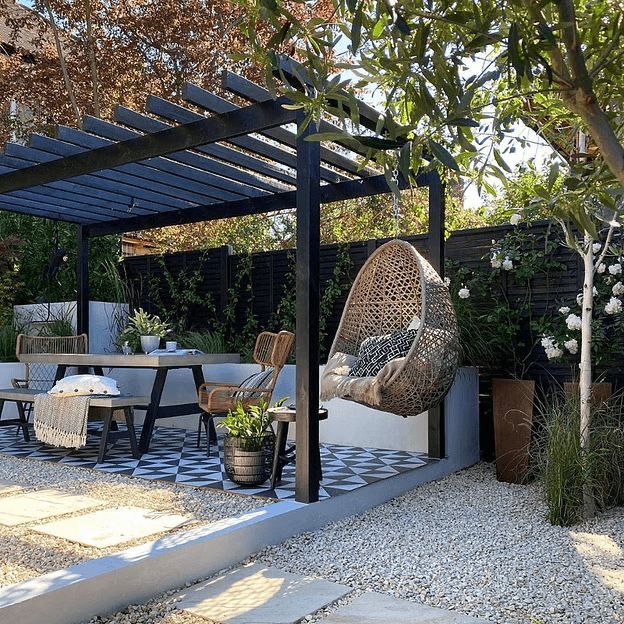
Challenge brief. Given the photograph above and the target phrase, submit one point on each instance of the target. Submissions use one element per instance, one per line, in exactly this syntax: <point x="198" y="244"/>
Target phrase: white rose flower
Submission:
<point x="601" y="268"/>
<point x="547" y="342"/>
<point x="614" y="306"/>
<point x="574" y="321"/>
<point x="579" y="299"/>
<point x="564" y="310"/>
<point x="618" y="289"/>
<point x="553" y="352"/>
<point x="464" y="293"/>
<point x="615" y="269"/>
<point x="571" y="345"/>
<point x="496" y="263"/>
<point x="447" y="281"/>
<point x="596" y="247"/>
<point x="515" y="218"/>
<point x="507" y="264"/>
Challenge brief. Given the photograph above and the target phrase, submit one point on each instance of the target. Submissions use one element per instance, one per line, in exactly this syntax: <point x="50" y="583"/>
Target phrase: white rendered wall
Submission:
<point x="103" y="317"/>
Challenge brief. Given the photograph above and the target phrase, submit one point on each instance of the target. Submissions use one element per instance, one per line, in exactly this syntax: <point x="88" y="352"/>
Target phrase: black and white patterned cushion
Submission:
<point x="257" y="380"/>
<point x="375" y="352"/>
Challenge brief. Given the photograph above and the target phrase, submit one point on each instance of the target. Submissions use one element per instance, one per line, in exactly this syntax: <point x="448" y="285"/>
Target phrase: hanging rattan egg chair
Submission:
<point x="395" y="289"/>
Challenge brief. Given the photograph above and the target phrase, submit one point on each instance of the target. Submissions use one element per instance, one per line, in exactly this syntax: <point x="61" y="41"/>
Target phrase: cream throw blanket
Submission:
<point x="61" y="421"/>
<point x="336" y="381"/>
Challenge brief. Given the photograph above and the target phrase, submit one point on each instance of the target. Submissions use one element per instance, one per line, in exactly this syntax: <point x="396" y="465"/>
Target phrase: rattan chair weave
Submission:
<point x="41" y="376"/>
<point x="395" y="285"/>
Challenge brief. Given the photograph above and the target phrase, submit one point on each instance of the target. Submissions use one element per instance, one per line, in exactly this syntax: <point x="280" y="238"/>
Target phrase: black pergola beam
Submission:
<point x="269" y="203"/>
<point x="179" y="183"/>
<point x="248" y="159"/>
<point x="252" y="92"/>
<point x="205" y="159"/>
<point x="248" y="143"/>
<point x="115" y="182"/>
<point x="215" y="104"/>
<point x="253" y="118"/>
<point x="185" y="164"/>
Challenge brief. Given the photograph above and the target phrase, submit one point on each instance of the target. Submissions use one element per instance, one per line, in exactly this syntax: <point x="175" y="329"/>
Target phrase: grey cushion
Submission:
<point x="257" y="380"/>
<point x="375" y="352"/>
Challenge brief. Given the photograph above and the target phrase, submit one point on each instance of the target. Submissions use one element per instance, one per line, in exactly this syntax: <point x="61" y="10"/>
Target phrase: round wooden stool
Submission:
<point x="283" y="456"/>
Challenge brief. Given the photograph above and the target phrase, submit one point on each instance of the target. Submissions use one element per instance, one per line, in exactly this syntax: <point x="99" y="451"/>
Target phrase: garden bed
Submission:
<point x="25" y="554"/>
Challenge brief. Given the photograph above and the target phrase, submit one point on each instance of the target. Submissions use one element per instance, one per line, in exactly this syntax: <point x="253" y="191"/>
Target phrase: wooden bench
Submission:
<point x="105" y="406"/>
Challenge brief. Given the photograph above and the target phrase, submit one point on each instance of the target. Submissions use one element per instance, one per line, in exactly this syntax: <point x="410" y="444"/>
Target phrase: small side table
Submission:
<point x="283" y="456"/>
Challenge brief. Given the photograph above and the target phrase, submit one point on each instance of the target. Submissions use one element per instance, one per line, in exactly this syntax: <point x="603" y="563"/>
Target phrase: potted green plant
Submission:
<point x="249" y="443"/>
<point x="143" y="331"/>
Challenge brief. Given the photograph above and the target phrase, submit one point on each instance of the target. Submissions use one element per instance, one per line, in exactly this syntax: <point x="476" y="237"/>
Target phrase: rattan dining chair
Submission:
<point x="217" y="398"/>
<point x="42" y="376"/>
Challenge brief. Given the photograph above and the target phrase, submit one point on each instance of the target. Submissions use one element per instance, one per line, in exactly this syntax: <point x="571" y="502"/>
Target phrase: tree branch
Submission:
<point x="59" y="50"/>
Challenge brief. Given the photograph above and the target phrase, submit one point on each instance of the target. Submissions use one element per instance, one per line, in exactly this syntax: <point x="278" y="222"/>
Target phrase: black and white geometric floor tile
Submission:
<point x="174" y="457"/>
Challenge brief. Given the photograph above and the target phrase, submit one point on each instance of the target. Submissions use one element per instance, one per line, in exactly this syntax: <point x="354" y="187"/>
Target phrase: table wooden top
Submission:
<point x="137" y="360"/>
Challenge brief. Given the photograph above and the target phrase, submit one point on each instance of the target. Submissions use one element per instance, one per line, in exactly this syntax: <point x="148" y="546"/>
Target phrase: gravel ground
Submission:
<point x="25" y="554"/>
<point x="465" y="543"/>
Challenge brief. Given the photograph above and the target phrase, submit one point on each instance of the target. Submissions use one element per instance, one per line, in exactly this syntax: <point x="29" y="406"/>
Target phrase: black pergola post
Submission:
<point x="436" y="258"/>
<point x="82" y="281"/>
<point x="307" y="326"/>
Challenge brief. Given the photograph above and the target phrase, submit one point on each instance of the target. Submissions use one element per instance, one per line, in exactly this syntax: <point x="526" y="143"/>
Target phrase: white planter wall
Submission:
<point x="103" y="318"/>
<point x="8" y="371"/>
<point x="348" y="422"/>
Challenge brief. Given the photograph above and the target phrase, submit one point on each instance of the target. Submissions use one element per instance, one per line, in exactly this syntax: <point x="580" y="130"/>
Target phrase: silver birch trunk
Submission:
<point x="585" y="379"/>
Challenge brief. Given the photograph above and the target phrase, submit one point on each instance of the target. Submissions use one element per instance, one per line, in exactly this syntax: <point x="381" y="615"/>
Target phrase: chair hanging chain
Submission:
<point x="396" y="202"/>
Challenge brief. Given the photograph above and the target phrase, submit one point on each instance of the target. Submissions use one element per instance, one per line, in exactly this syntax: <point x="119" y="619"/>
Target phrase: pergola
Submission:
<point x="177" y="166"/>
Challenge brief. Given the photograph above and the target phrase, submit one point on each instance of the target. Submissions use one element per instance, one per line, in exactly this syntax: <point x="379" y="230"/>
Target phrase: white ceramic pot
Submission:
<point x="150" y="343"/>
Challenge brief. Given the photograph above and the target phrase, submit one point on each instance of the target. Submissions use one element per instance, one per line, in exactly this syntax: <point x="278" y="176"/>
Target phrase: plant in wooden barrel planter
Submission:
<point x="249" y="444"/>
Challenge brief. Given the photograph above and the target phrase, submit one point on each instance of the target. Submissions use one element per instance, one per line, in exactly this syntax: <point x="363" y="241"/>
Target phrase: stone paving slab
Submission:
<point x="374" y="608"/>
<point x="257" y="594"/>
<point x="30" y="506"/>
<point x="109" y="527"/>
<point x="8" y="487"/>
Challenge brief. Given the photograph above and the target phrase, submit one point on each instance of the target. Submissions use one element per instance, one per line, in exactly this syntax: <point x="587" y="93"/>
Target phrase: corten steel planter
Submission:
<point x="601" y="392"/>
<point x="513" y="420"/>
<point x="249" y="461"/>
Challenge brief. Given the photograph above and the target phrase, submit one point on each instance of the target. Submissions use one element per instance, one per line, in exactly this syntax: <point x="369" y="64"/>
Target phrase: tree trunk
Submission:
<point x="585" y="379"/>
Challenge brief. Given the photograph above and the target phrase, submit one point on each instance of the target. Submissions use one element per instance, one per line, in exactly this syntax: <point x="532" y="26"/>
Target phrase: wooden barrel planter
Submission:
<point x="249" y="461"/>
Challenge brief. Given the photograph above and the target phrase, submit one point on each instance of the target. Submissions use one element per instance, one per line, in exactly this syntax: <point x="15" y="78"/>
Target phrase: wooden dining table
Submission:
<point x="162" y="364"/>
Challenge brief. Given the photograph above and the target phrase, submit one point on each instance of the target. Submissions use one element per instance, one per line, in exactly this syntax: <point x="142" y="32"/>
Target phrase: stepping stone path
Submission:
<point x="23" y="508"/>
<point x="256" y="594"/>
<point x="109" y="527"/>
<point x="374" y="608"/>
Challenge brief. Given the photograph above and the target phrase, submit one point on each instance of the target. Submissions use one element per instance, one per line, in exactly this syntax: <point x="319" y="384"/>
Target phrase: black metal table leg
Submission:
<point x="152" y="410"/>
<point x="106" y="422"/>
<point x="60" y="372"/>
<point x="131" y="432"/>
<point x="23" y="420"/>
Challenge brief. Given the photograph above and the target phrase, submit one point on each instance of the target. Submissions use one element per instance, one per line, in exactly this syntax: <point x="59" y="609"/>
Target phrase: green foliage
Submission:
<point x="333" y="289"/>
<point x="250" y="424"/>
<point x="175" y="295"/>
<point x="565" y="468"/>
<point x="9" y="330"/>
<point x="46" y="270"/>
<point x="206" y="341"/>
<point x="142" y="324"/>
<point x="498" y="330"/>
<point x="11" y="251"/>
<point x="58" y="327"/>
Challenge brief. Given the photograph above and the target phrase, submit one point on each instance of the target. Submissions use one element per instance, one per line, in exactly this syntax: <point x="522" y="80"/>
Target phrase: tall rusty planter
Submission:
<point x="513" y="420"/>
